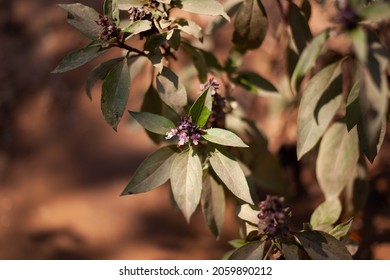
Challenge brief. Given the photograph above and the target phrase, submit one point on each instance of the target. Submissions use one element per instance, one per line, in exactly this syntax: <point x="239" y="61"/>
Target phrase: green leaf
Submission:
<point x="156" y="58"/>
<point x="353" y="115"/>
<point x="198" y="60"/>
<point x="171" y="91"/>
<point x="322" y="246"/>
<point x="337" y="159"/>
<point x="248" y="214"/>
<point x="250" y="25"/>
<point x="250" y="251"/>
<point x="231" y="7"/>
<point x="152" y="122"/>
<point x="137" y="27"/>
<point x="357" y="190"/>
<point x="299" y="27"/>
<point x="125" y="5"/>
<point x="201" y="7"/>
<point x="327" y="213"/>
<point x="308" y="58"/>
<point x="201" y="109"/>
<point x="341" y="230"/>
<point x="292" y="251"/>
<point x="153" y="171"/>
<point x="190" y="27"/>
<point x="100" y="72"/>
<point x="376" y="11"/>
<point x="320" y="101"/>
<point x="80" y="57"/>
<point x="213" y="204"/>
<point x="83" y="19"/>
<point x="223" y="137"/>
<point x="111" y="10"/>
<point x="360" y="43"/>
<point x="115" y="92"/>
<point x="230" y="173"/>
<point x="254" y="83"/>
<point x="186" y="181"/>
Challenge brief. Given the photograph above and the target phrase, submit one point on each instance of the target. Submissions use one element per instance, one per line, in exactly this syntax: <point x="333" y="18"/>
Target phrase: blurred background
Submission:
<point x="62" y="168"/>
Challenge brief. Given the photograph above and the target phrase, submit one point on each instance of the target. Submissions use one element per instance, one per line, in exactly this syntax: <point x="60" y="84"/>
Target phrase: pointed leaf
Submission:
<point x="80" y="57"/>
<point x="357" y="190"/>
<point x="190" y="27"/>
<point x="83" y="19"/>
<point x="320" y="102"/>
<point x="115" y="92"/>
<point x="202" y="7"/>
<point x="186" y="181"/>
<point x="198" y="60"/>
<point x="353" y="113"/>
<point x="153" y="171"/>
<point x="100" y="72"/>
<point x="201" y="109"/>
<point x="337" y="159"/>
<point x="230" y="173"/>
<point x="223" y="137"/>
<point x="360" y="43"/>
<point x="308" y="58"/>
<point x="299" y="27"/>
<point x="171" y="91"/>
<point x="111" y="10"/>
<point x="250" y="25"/>
<point x="152" y="122"/>
<point x="341" y="230"/>
<point x="213" y="204"/>
<point x="250" y="251"/>
<point x="137" y="27"/>
<point x="327" y="213"/>
<point x="292" y="251"/>
<point x="254" y="83"/>
<point x="322" y="246"/>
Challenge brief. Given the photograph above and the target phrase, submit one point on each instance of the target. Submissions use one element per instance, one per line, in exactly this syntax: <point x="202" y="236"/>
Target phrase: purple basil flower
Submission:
<point x="186" y="131"/>
<point x="212" y="83"/>
<point x="110" y="30"/>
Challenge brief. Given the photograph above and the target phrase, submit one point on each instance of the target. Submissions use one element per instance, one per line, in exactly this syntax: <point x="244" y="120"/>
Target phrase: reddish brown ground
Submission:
<point x="62" y="167"/>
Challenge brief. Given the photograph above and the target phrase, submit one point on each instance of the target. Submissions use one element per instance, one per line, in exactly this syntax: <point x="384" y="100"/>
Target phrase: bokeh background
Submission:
<point x="62" y="167"/>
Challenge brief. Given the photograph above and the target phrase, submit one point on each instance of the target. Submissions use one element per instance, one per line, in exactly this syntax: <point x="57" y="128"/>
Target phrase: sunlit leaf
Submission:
<point x="231" y="7"/>
<point x="201" y="109"/>
<point x="111" y="10"/>
<point x="308" y="58"/>
<point x="125" y="5"/>
<point x="137" y="27"/>
<point x="337" y="159"/>
<point x="250" y="25"/>
<point x="152" y="122"/>
<point x="250" y="251"/>
<point x="115" y="92"/>
<point x="376" y="11"/>
<point x="320" y="101"/>
<point x="247" y="213"/>
<point x="190" y="27"/>
<point x="230" y="173"/>
<point x="83" y="19"/>
<point x="171" y="90"/>
<point x="213" y="204"/>
<point x="223" y="137"/>
<point x="202" y="7"/>
<point x="186" y="181"/>
<point x="322" y="246"/>
<point x="153" y="171"/>
<point x="80" y="57"/>
<point x="341" y="230"/>
<point x="327" y="213"/>
<point x="360" y="43"/>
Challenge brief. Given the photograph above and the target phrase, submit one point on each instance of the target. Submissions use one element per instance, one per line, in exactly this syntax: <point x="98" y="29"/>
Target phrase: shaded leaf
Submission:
<point x="202" y="7"/>
<point x="125" y="5"/>
<point x="156" y="58"/>
<point x="230" y="173"/>
<point x="337" y="159"/>
<point x="322" y="246"/>
<point x="100" y="72"/>
<point x="327" y="213"/>
<point x="190" y="27"/>
<point x="83" y="19"/>
<point x="250" y="25"/>
<point x="152" y="122"/>
<point x="111" y="10"/>
<point x="153" y="171"/>
<point x="186" y="181"/>
<point x="360" y="43"/>
<point x="213" y="204"/>
<point x="357" y="189"/>
<point x="223" y="137"/>
<point x="201" y="109"/>
<point x="171" y="91"/>
<point x="320" y="101"/>
<point x="308" y="58"/>
<point x="353" y="115"/>
<point x="80" y="57"/>
<point x="299" y="27"/>
<point x="198" y="60"/>
<point x="254" y="83"/>
<point x="152" y="104"/>
<point x="292" y="251"/>
<point x="250" y="251"/>
<point x="115" y="92"/>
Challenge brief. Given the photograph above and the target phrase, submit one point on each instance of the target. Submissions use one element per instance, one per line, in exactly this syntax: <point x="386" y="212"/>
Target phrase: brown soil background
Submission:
<point x="62" y="167"/>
